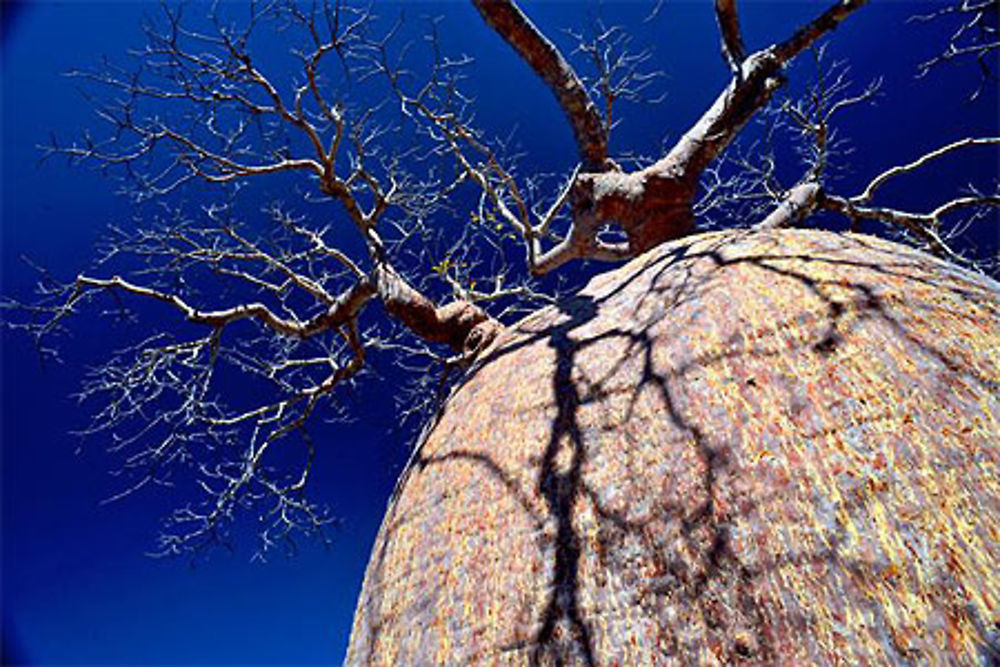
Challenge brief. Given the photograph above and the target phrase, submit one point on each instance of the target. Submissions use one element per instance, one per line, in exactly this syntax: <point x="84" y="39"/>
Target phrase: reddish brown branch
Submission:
<point x="464" y="326"/>
<point x="507" y="19"/>
<point x="728" y="17"/>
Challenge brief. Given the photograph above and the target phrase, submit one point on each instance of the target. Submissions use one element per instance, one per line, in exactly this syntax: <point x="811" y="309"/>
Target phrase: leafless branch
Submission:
<point x="811" y="118"/>
<point x="620" y="73"/>
<point x="810" y="121"/>
<point x="925" y="228"/>
<point x="727" y="15"/>
<point x="655" y="203"/>
<point x="976" y="36"/>
<point x="411" y="212"/>
<point x="899" y="170"/>
<point x="547" y="62"/>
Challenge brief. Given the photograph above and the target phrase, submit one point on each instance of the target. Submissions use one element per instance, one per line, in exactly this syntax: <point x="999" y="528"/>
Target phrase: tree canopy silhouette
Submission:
<point x="409" y="220"/>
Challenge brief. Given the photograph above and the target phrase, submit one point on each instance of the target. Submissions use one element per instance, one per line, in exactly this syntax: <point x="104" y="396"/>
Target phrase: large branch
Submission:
<point x="507" y="19"/>
<point x="759" y="77"/>
<point x="342" y="309"/>
<point x="650" y="205"/>
<point x="799" y="202"/>
<point x="461" y="324"/>
<point x="655" y="204"/>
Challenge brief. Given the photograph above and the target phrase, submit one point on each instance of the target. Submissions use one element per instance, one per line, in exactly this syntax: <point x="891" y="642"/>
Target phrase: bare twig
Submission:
<point x="976" y="36"/>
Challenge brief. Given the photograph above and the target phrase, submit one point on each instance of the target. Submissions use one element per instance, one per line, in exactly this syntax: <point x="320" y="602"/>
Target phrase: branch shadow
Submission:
<point x="604" y="353"/>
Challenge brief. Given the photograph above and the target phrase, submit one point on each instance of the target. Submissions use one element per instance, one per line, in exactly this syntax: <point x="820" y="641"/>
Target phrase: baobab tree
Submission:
<point x="418" y="232"/>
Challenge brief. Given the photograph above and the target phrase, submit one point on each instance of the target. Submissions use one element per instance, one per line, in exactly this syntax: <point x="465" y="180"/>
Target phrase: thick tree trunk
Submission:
<point x="768" y="448"/>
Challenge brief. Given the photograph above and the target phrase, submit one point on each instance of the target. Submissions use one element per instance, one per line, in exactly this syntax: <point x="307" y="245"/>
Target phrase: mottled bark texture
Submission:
<point x="773" y="447"/>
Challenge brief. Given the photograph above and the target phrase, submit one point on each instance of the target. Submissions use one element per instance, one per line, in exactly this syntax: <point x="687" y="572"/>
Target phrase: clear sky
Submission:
<point x="76" y="585"/>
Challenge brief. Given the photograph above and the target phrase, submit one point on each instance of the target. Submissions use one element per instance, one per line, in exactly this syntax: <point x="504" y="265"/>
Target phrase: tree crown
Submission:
<point x="411" y="228"/>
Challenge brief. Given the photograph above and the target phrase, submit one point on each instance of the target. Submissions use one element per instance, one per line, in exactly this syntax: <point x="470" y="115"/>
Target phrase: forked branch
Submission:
<point x="295" y="322"/>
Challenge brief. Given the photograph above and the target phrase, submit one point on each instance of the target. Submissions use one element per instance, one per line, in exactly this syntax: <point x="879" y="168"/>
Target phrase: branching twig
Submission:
<point x="976" y="36"/>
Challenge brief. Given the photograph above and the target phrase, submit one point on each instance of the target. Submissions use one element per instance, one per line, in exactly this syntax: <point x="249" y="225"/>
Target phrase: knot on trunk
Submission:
<point x="463" y="325"/>
<point x="481" y="336"/>
<point x="470" y="329"/>
<point x="650" y="206"/>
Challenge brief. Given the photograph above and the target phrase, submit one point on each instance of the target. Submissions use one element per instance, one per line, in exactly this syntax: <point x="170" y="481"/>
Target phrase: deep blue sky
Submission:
<point x="76" y="586"/>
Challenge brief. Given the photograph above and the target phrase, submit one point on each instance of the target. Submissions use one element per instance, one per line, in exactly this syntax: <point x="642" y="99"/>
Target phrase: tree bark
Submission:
<point x="463" y="325"/>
